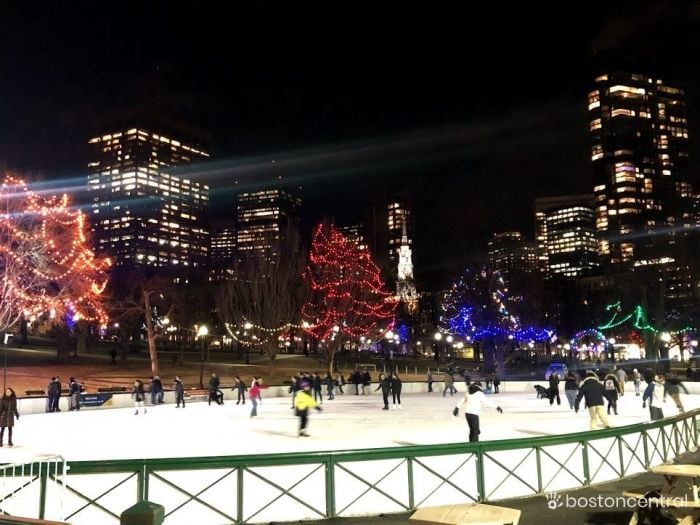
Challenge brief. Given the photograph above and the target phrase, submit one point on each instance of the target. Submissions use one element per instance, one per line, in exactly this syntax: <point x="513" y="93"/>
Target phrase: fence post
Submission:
<point x="43" y="475"/>
<point x="330" y="487"/>
<point x="586" y="468"/>
<point x="539" y="470"/>
<point x="480" y="480"/>
<point x="239" y="495"/>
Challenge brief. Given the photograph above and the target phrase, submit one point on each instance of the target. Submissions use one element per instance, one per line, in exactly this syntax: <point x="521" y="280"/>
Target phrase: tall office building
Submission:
<point x="566" y="235"/>
<point x="508" y="253"/>
<point x="355" y="234"/>
<point x="639" y="151"/>
<point x="222" y="254"/>
<point x="263" y="216"/>
<point x="143" y="212"/>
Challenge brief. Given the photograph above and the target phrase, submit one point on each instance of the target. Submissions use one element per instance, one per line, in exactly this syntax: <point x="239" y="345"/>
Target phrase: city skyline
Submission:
<point x="472" y="134"/>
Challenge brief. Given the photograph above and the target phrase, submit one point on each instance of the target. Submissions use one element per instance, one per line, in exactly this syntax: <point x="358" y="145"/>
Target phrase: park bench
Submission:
<point x="35" y="393"/>
<point x="197" y="394"/>
<point x="465" y="514"/>
<point x="111" y="389"/>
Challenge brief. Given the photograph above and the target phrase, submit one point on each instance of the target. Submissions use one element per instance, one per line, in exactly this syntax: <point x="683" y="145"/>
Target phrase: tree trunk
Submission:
<point x="151" y="335"/>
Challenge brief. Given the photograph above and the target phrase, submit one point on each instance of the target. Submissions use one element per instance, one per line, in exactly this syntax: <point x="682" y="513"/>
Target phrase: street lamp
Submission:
<point x="202" y="332"/>
<point x="248" y="325"/>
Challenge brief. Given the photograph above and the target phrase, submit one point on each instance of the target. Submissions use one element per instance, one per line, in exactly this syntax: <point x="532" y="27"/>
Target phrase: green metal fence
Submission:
<point x="281" y="487"/>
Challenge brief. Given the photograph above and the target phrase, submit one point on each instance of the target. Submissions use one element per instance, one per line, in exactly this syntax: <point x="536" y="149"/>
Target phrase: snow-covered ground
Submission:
<point x="348" y="422"/>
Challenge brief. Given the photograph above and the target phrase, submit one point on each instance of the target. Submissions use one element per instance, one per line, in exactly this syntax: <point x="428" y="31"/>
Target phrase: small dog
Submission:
<point x="542" y="392"/>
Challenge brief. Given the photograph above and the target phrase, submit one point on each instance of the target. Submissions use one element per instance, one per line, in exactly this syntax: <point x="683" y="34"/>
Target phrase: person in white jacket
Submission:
<point x="473" y="398"/>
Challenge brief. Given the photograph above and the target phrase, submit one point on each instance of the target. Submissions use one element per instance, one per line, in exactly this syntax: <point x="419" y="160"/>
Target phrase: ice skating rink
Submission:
<point x="348" y="422"/>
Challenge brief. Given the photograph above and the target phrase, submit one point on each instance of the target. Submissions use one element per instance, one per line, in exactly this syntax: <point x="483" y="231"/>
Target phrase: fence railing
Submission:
<point x="297" y="486"/>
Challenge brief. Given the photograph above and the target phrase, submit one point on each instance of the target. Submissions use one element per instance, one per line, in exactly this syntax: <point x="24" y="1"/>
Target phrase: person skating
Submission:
<point x="495" y="381"/>
<point x="179" y="390"/>
<point x="138" y="394"/>
<point x="554" y="389"/>
<point x="254" y="393"/>
<point x="637" y="379"/>
<point x="74" y="392"/>
<point x="472" y="402"/>
<point x="396" y="390"/>
<point x="430" y="381"/>
<point x="654" y="393"/>
<point x="366" y="382"/>
<point x="241" y="389"/>
<point x="611" y="391"/>
<point x="570" y="388"/>
<point x="294" y="387"/>
<point x="385" y="385"/>
<point x="316" y="384"/>
<point x="356" y="380"/>
<point x="330" y="383"/>
<point x="302" y="403"/>
<point x="449" y="385"/>
<point x="8" y="413"/>
<point x="340" y="382"/>
<point x="592" y="390"/>
<point x="621" y="376"/>
<point x="673" y="387"/>
<point x="259" y="381"/>
<point x="57" y="397"/>
<point x="155" y="388"/>
<point x="214" y="392"/>
<point x="52" y="391"/>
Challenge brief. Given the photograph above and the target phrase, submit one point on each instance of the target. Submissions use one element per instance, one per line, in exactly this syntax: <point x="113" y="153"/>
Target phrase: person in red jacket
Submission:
<point x="254" y="394"/>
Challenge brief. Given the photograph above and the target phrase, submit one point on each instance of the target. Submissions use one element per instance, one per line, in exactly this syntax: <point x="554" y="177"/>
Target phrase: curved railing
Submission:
<point x="296" y="486"/>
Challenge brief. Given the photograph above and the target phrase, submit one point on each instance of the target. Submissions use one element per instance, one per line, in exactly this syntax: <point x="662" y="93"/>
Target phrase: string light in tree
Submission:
<point x="44" y="252"/>
<point x="348" y="297"/>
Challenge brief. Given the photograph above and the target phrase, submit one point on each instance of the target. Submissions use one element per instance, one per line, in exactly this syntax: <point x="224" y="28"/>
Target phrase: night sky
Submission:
<point x="470" y="112"/>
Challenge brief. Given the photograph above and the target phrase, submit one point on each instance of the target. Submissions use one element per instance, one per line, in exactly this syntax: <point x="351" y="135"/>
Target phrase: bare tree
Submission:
<point x="267" y="292"/>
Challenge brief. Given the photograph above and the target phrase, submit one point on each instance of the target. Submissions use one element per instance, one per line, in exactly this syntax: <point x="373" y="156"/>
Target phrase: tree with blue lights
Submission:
<point x="478" y="306"/>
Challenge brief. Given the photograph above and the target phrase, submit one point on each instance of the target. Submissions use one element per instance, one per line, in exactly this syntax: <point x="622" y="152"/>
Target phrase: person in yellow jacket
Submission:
<point x="302" y="403"/>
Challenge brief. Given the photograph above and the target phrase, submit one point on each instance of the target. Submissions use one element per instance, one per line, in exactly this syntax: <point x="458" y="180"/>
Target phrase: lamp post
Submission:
<point x="438" y="338"/>
<point x="202" y="332"/>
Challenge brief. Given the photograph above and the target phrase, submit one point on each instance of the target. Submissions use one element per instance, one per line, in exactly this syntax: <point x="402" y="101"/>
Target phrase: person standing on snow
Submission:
<point x="472" y="401"/>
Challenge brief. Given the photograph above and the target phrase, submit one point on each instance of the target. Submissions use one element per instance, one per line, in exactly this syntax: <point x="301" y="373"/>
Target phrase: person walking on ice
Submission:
<point x="472" y="401"/>
<point x="592" y="390"/>
<point x="8" y="413"/>
<point x="302" y="403"/>
<point x="139" y="395"/>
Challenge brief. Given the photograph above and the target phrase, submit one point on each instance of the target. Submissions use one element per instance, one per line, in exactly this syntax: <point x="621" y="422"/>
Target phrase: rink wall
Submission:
<point x="89" y="401"/>
<point x="265" y="488"/>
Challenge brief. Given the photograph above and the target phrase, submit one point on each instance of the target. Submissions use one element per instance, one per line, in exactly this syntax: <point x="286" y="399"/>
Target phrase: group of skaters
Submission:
<point x="596" y="392"/>
<point x="316" y="384"/>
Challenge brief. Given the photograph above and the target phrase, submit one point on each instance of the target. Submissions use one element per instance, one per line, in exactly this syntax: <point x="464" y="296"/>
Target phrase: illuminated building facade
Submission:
<point x="509" y="253"/>
<point x="143" y="213"/>
<point x="639" y="151"/>
<point x="263" y="216"/>
<point x="406" y="291"/>
<point x="399" y="216"/>
<point x="222" y="254"/>
<point x="354" y="233"/>
<point x="566" y="235"/>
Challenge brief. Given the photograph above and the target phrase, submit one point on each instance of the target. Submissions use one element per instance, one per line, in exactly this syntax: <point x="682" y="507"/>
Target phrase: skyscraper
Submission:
<point x="222" y="254"/>
<point x="509" y="253"/>
<point x="639" y="151"/>
<point x="566" y="235"/>
<point x="355" y="233"/>
<point x="143" y="212"/>
<point x="263" y="216"/>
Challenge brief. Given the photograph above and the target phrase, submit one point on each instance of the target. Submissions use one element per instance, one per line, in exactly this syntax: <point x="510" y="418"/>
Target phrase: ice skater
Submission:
<point x="316" y="380"/>
<point x="612" y="390"/>
<point x="592" y="390"/>
<point x="554" y="389"/>
<point x="8" y="413"/>
<point x="654" y="392"/>
<point x="396" y="390"/>
<point x="302" y="403"/>
<point x="449" y="385"/>
<point x="241" y="389"/>
<point x="330" y="383"/>
<point x="254" y="394"/>
<point x="74" y="391"/>
<point x="385" y="385"/>
<point x="430" y="381"/>
<point x="472" y="401"/>
<point x="138" y="394"/>
<point x="214" y="392"/>
<point x="637" y="380"/>
<point x="570" y="388"/>
<point x="179" y="390"/>
<point x="673" y="387"/>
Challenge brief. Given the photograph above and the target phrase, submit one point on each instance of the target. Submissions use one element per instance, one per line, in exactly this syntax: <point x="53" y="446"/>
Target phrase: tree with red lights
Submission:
<point x="348" y="298"/>
<point x="46" y="266"/>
